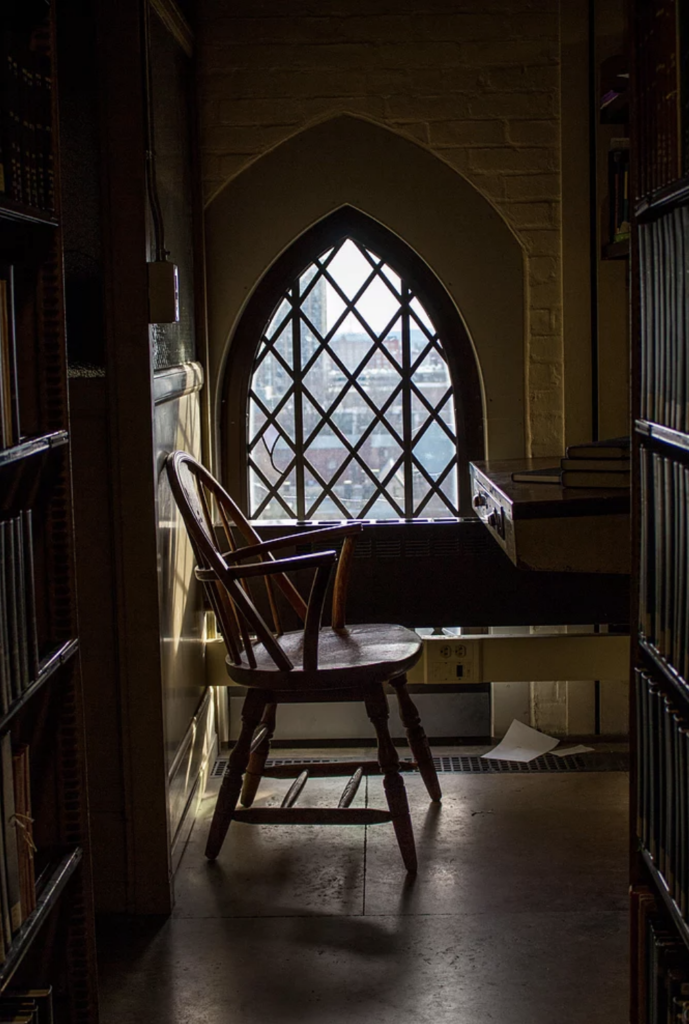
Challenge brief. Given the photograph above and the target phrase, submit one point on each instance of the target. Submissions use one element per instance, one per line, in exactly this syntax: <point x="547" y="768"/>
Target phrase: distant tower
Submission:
<point x="314" y="307"/>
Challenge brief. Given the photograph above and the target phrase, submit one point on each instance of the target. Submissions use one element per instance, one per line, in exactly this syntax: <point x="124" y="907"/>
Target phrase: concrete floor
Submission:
<point x="518" y="915"/>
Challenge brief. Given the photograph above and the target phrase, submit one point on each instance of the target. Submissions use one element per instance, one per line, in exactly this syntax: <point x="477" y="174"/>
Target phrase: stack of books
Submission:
<point x="597" y="464"/>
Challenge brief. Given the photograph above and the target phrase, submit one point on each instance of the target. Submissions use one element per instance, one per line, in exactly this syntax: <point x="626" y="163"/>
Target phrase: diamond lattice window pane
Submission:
<point x="379" y="378"/>
<point x="420" y="488"/>
<point x="446" y="413"/>
<point x="419" y="413"/>
<point x="449" y="487"/>
<point x="324" y="380"/>
<point x="313" y="490"/>
<point x="351" y="349"/>
<point x="273" y="452"/>
<point x="285" y="417"/>
<point x="334" y="305"/>
<point x="257" y="418"/>
<point x="279" y="504"/>
<point x="438" y="508"/>
<point x="420" y="345"/>
<point x="283" y="344"/>
<point x="326" y="453"/>
<point x="432" y="377"/>
<point x="433" y="450"/>
<point x="393" y="344"/>
<point x="272" y="457"/>
<point x="350" y="268"/>
<point x="278" y="318"/>
<point x="355" y="488"/>
<point x="383" y="508"/>
<point x="327" y="509"/>
<point x="311" y="417"/>
<point x="422" y="316"/>
<point x="271" y="381"/>
<point x="393" y="279"/>
<point x="313" y="306"/>
<point x="381" y="452"/>
<point x="377" y="306"/>
<point x="353" y="416"/>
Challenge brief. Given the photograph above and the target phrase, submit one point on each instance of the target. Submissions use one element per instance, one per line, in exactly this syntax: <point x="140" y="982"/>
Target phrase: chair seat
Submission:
<point x="357" y="656"/>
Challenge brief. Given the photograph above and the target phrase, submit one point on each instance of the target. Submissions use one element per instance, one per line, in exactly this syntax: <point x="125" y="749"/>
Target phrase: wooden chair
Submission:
<point x="315" y="663"/>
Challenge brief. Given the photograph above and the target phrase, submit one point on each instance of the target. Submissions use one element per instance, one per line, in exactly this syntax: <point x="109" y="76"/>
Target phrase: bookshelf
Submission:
<point x="660" y="371"/>
<point x="46" y="917"/>
<point x="609" y="152"/>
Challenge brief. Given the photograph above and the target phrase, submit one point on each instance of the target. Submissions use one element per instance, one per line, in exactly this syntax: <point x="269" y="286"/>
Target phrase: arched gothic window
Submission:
<point x="362" y="397"/>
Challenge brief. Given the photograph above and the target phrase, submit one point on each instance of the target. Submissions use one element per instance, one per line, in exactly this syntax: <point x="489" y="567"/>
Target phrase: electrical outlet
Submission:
<point x="452" y="660"/>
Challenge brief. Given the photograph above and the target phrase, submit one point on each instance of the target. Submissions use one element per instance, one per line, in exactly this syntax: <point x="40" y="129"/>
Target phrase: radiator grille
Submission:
<point x="471" y="764"/>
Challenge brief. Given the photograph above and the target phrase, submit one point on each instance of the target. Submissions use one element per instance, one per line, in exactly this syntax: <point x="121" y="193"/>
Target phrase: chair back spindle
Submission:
<point x="227" y="576"/>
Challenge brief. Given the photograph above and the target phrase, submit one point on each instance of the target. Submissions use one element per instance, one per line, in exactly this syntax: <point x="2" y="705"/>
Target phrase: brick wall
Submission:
<point x="477" y="82"/>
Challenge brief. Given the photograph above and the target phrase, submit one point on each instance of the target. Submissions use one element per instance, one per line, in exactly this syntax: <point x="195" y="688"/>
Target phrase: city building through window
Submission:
<point x="352" y="410"/>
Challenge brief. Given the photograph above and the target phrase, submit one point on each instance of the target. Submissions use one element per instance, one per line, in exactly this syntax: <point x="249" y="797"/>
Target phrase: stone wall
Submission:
<point x="476" y="83"/>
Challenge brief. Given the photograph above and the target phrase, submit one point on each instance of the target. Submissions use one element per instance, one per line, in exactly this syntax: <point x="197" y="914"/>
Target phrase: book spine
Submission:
<point x="679" y="307"/>
<point x="656" y="332"/>
<point x="680" y="568"/>
<point x="12" y="616"/>
<point x="4" y="894"/>
<point x="30" y="594"/>
<point x="663" y="326"/>
<point x="669" y="562"/>
<point x="25" y="843"/>
<point x="5" y="671"/>
<point x="684" y="653"/>
<point x="10" y="830"/>
<point x="20" y="577"/>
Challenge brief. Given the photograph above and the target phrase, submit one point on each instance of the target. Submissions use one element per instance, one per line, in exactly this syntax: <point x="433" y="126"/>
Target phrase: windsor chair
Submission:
<point x="313" y="664"/>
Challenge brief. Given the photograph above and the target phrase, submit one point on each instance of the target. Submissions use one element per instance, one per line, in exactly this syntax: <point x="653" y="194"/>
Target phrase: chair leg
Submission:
<point x="396" y="794"/>
<point x="418" y="742"/>
<point x="231" y="785"/>
<point x="259" y="755"/>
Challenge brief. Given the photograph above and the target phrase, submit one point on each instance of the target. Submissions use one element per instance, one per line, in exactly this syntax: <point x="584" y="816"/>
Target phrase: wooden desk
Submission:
<point x="548" y="527"/>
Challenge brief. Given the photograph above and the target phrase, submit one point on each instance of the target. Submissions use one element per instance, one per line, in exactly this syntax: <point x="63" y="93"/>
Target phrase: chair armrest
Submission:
<point x="277" y="565"/>
<point x="321" y="561"/>
<point x="328" y="532"/>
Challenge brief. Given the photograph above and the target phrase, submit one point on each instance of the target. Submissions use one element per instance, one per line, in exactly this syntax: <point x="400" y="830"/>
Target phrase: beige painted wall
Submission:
<point x="478" y="88"/>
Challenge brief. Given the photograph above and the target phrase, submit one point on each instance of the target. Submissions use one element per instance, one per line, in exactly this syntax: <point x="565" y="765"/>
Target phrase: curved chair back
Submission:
<point x="225" y="574"/>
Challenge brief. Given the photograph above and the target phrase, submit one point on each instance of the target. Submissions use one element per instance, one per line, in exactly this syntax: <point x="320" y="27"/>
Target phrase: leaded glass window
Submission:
<point x="351" y="411"/>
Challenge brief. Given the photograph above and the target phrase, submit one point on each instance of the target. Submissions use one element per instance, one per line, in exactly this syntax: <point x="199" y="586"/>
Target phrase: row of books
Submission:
<point x="619" y="216"/>
<point x="19" y="655"/>
<point x="26" y="144"/>
<point x="662" y="812"/>
<point x="17" y="875"/>
<point x="597" y="464"/>
<point x="664" y="312"/>
<point x="27" y="1006"/>
<point x="663" y="975"/>
<point x="658" y="105"/>
<point x="664" y="559"/>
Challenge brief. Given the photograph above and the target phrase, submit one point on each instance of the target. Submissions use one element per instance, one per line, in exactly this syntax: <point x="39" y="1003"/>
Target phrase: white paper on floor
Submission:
<point x="566" y="751"/>
<point x="521" y="743"/>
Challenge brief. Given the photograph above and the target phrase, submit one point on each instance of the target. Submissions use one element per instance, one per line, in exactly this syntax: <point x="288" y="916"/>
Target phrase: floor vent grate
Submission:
<point x="463" y="764"/>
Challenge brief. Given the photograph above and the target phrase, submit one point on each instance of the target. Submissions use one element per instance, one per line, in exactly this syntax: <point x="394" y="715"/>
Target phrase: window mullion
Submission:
<point x="298" y="399"/>
<point x="406" y="404"/>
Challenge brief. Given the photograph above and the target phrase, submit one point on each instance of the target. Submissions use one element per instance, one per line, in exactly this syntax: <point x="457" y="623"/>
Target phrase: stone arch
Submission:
<point x="351" y="161"/>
